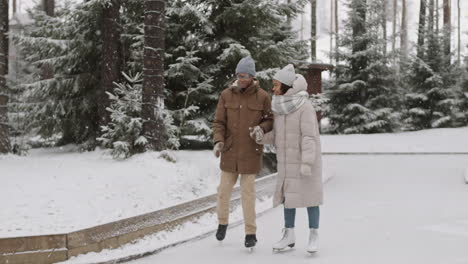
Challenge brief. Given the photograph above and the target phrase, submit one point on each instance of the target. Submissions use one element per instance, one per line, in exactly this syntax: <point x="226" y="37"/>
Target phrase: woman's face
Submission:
<point x="277" y="87"/>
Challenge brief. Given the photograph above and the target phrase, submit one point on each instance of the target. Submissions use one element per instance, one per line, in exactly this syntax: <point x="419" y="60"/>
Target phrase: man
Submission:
<point x="241" y="107"/>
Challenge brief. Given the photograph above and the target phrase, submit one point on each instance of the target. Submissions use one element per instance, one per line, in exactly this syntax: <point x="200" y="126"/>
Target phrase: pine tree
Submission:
<point x="364" y="98"/>
<point x="404" y="33"/>
<point x="4" y="127"/>
<point x="435" y="99"/>
<point x="124" y="132"/>
<point x="110" y="67"/>
<point x="71" y="43"/>
<point x="421" y="29"/>
<point x="220" y="34"/>
<point x="464" y="90"/>
<point x="313" y="31"/>
<point x="204" y="40"/>
<point x="447" y="31"/>
<point x="153" y="74"/>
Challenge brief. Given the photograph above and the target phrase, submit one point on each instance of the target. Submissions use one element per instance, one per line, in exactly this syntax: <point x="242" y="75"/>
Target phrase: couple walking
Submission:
<point x="245" y="119"/>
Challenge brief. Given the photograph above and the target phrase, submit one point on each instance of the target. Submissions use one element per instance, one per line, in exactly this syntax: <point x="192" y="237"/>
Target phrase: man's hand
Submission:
<point x="217" y="149"/>
<point x="256" y="133"/>
<point x="306" y="169"/>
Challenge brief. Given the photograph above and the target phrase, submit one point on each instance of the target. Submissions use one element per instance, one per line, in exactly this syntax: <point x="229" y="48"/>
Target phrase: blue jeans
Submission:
<point x="290" y="217"/>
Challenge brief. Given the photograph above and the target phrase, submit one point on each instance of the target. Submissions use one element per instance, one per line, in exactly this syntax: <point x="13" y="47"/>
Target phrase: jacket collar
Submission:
<point x="252" y="88"/>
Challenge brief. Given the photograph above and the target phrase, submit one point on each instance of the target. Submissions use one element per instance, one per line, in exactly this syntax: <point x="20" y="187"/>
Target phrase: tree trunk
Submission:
<point x="14" y="7"/>
<point x="459" y="36"/>
<point x="153" y="79"/>
<point x="111" y="57"/>
<point x="404" y="33"/>
<point x="395" y="9"/>
<point x="302" y="26"/>
<point x="331" y="31"/>
<point x="289" y="17"/>
<point x="313" y="29"/>
<point x="336" y="32"/>
<point x="437" y="17"/>
<point x="4" y="128"/>
<point x="421" y="29"/>
<point x="49" y="8"/>
<point x="384" y="26"/>
<point x="430" y="26"/>
<point x="447" y="30"/>
<point x="359" y="43"/>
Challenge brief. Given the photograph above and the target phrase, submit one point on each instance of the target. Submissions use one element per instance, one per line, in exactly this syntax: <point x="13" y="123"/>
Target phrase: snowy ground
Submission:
<point x="60" y="190"/>
<point x="378" y="209"/>
<point x="432" y="140"/>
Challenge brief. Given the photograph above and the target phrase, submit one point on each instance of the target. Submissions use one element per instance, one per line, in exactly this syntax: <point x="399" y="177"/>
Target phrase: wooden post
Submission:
<point x="313" y="77"/>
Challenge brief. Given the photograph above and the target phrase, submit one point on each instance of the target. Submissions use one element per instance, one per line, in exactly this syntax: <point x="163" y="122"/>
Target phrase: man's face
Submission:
<point x="277" y="87"/>
<point x="244" y="80"/>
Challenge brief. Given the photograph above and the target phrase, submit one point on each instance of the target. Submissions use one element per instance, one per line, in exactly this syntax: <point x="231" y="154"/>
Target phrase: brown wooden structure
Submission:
<point x="313" y="76"/>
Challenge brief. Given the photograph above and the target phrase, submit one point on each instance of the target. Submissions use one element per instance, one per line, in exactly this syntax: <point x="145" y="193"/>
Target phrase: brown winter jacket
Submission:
<point x="235" y="113"/>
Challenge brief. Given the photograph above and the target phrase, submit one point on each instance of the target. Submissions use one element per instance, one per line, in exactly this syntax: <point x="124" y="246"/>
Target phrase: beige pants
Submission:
<point x="247" y="182"/>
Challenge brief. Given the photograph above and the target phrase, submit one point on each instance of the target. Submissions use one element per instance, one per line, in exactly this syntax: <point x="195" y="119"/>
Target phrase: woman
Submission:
<point x="296" y="138"/>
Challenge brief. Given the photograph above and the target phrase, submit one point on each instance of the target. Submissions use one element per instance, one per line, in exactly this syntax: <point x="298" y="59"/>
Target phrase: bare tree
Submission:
<point x="313" y="29"/>
<point x="421" y="29"/>
<point x="4" y="128"/>
<point x="153" y="78"/>
<point x="111" y="57"/>
<point x="447" y="30"/>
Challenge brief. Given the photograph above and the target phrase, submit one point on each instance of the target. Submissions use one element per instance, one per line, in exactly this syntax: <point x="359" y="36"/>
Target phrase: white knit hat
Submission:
<point x="287" y="75"/>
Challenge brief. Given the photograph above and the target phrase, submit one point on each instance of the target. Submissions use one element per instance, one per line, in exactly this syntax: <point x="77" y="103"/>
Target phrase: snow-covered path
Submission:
<point x="379" y="209"/>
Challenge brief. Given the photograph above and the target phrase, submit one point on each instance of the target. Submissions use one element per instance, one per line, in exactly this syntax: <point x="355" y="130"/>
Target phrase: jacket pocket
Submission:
<point x="256" y="110"/>
<point x="254" y="106"/>
<point x="227" y="144"/>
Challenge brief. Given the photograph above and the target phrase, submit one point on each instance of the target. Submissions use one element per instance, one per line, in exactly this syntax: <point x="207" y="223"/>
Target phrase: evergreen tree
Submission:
<point x="204" y="41"/>
<point x="124" y="133"/>
<point x="365" y="97"/>
<point x="435" y="99"/>
<point x="4" y="127"/>
<point x="65" y="104"/>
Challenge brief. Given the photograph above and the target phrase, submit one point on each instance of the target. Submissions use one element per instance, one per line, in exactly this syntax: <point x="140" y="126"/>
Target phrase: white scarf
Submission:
<point x="285" y="104"/>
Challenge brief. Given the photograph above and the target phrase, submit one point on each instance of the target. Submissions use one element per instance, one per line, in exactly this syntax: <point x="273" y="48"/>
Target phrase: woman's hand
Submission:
<point x="306" y="169"/>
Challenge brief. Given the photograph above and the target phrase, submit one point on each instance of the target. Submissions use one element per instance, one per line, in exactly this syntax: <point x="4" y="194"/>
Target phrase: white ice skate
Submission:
<point x="312" y="246"/>
<point x="288" y="240"/>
